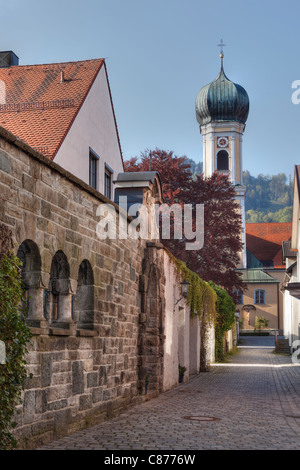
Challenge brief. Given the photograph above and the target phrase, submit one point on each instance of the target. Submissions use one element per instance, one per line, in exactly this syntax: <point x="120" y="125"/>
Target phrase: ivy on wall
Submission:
<point x="225" y="318"/>
<point x="14" y="334"/>
<point x="202" y="300"/>
<point x="201" y="297"/>
<point x="213" y="306"/>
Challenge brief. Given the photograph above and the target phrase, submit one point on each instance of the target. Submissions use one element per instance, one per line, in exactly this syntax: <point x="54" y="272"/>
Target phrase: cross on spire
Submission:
<point x="221" y="45"/>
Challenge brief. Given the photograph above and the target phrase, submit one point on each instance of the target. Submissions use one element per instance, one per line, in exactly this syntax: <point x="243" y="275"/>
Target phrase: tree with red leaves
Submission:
<point x="218" y="258"/>
<point x="175" y="172"/>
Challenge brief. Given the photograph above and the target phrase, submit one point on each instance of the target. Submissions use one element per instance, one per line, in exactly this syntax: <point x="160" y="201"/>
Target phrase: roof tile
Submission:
<point x="42" y="101"/>
<point x="264" y="241"/>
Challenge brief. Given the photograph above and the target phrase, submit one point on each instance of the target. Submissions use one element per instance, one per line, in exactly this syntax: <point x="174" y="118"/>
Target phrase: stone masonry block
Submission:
<point x="77" y="377"/>
<point x="46" y="369"/>
<point x="97" y="394"/>
<point x="92" y="379"/>
<point x="5" y="162"/>
<point x="29" y="406"/>
<point x="62" y="419"/>
<point x="85" y="402"/>
<point x="41" y="404"/>
<point x="28" y="183"/>
<point x="45" y="209"/>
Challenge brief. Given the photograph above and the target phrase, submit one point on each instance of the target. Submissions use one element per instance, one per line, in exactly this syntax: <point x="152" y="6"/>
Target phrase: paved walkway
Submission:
<point x="252" y="402"/>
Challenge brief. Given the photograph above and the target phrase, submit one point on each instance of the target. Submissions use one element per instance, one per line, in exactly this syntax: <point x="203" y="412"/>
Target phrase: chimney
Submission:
<point x="8" y="59"/>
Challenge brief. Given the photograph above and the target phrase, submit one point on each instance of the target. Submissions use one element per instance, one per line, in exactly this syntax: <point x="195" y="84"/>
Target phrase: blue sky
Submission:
<point x="160" y="53"/>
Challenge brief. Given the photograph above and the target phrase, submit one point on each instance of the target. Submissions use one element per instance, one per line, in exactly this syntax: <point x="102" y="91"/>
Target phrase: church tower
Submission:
<point x="222" y="109"/>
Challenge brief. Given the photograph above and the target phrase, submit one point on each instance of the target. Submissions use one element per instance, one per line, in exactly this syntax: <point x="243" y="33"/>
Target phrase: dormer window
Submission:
<point x="222" y="160"/>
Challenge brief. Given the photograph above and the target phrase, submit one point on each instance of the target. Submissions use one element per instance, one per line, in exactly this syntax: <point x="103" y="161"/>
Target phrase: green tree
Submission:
<point x="267" y="195"/>
<point x="282" y="215"/>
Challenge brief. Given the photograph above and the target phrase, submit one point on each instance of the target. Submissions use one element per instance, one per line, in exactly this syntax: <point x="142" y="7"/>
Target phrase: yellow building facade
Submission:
<point x="260" y="300"/>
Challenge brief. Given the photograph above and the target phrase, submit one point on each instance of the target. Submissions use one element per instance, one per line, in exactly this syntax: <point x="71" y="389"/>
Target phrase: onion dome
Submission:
<point x="222" y="100"/>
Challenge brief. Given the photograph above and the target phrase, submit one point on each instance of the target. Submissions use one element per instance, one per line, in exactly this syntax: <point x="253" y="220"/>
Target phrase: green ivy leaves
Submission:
<point x="16" y="336"/>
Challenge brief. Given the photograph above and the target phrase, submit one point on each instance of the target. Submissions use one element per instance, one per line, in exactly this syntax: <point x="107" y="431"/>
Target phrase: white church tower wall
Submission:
<point x="222" y="109"/>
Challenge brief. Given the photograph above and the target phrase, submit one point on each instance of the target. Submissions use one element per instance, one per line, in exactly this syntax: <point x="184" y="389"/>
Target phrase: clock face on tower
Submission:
<point x="223" y="142"/>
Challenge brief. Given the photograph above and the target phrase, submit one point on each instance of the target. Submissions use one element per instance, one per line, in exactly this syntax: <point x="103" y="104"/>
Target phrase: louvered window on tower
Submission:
<point x="222" y="160"/>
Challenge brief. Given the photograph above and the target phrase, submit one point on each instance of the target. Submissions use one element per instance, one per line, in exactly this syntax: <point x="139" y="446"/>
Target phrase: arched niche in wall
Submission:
<point x="157" y="190"/>
<point x="83" y="302"/>
<point x="60" y="294"/>
<point x="29" y="255"/>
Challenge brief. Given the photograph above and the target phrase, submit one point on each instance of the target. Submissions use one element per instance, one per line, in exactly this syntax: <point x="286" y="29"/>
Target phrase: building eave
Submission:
<point x="294" y="289"/>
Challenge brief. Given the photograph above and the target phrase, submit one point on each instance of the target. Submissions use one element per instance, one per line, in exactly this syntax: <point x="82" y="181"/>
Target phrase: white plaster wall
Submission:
<point x="194" y="345"/>
<point x="94" y="127"/>
<point x="294" y="304"/>
<point x="287" y="316"/>
<point x="210" y="346"/>
<point x="171" y="329"/>
<point x="177" y="329"/>
<point x="182" y="313"/>
<point x="291" y="307"/>
<point x="230" y="339"/>
<point x="182" y="343"/>
<point x="295" y="320"/>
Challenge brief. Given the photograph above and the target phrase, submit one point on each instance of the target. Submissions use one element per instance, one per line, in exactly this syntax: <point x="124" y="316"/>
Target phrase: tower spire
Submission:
<point x="221" y="45"/>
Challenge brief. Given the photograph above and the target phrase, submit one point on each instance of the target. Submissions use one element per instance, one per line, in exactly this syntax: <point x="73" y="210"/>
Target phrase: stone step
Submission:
<point x="282" y="346"/>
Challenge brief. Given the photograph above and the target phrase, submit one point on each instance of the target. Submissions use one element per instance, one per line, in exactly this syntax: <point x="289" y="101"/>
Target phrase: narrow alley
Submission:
<point x="250" y="402"/>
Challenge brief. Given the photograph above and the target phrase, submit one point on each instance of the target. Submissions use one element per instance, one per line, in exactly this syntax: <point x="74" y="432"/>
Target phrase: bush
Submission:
<point x="14" y="334"/>
<point x="261" y="322"/>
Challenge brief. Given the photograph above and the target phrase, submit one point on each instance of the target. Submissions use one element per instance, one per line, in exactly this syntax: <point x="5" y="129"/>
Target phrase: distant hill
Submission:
<point x="268" y="198"/>
<point x="196" y="168"/>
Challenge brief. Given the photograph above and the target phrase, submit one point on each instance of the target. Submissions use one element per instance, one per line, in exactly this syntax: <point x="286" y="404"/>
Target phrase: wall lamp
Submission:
<point x="184" y="291"/>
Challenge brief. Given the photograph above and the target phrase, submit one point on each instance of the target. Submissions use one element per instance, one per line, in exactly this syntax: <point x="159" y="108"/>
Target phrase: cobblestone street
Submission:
<point x="251" y="402"/>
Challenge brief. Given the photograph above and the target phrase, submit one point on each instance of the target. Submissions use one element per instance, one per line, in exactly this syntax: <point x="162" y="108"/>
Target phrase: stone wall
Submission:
<point x="96" y="307"/>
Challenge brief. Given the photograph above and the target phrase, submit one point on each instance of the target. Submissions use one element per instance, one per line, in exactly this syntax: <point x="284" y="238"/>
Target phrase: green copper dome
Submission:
<point x="222" y="100"/>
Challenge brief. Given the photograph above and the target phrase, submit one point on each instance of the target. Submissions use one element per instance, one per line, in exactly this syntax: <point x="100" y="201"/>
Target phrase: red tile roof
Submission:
<point x="39" y="106"/>
<point x="264" y="241"/>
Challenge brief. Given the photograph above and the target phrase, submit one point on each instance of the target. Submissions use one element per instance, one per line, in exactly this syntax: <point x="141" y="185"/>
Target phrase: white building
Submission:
<point x="291" y="285"/>
<point x="64" y="111"/>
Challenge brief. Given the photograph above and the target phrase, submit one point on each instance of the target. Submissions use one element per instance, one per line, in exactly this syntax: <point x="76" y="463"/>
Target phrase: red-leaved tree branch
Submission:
<point x="219" y="257"/>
